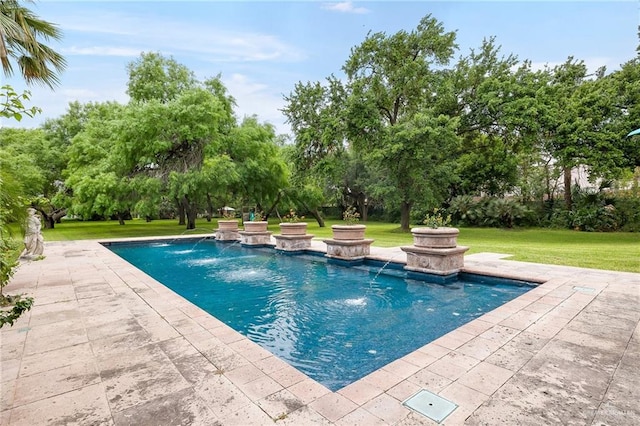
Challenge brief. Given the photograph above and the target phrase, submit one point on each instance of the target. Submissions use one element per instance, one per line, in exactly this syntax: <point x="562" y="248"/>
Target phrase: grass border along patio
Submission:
<point x="615" y="251"/>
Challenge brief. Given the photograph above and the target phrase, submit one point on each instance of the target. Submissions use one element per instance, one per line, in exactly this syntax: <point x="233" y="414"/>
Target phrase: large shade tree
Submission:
<point x="59" y="133"/>
<point x="394" y="81"/>
<point x="262" y="172"/>
<point x="179" y="123"/>
<point x="167" y="141"/>
<point x="319" y="155"/>
<point x="488" y="100"/>
<point x="96" y="174"/>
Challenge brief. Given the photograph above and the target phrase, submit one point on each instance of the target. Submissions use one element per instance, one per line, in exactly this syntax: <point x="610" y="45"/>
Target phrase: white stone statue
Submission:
<point x="33" y="241"/>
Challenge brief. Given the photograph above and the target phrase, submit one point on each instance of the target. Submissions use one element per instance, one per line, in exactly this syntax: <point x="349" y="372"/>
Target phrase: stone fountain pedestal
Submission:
<point x="293" y="243"/>
<point x="255" y="238"/>
<point x="435" y="251"/>
<point x="255" y="234"/>
<point x="227" y="230"/>
<point x="293" y="237"/>
<point x="348" y="243"/>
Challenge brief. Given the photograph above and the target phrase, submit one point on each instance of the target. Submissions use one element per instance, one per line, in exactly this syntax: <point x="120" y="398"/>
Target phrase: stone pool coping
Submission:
<point x="107" y="344"/>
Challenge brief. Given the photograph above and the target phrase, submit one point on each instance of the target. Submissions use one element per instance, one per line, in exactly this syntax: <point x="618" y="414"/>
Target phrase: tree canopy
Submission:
<point x="407" y="124"/>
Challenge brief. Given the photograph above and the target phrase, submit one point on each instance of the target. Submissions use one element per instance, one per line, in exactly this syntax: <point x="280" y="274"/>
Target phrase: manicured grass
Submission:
<point x="613" y="251"/>
<point x="616" y="251"/>
<point x="74" y="230"/>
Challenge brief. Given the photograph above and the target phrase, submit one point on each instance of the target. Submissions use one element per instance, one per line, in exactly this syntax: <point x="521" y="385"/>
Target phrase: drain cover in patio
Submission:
<point x="430" y="405"/>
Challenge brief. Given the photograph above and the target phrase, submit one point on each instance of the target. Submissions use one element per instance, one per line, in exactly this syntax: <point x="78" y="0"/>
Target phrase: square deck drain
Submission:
<point x="431" y="405"/>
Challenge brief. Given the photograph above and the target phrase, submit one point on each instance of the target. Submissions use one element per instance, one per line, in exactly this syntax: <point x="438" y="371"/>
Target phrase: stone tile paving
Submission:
<point x="107" y="345"/>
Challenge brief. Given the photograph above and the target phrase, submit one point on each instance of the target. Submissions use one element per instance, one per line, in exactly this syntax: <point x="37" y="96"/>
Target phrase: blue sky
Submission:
<point x="262" y="49"/>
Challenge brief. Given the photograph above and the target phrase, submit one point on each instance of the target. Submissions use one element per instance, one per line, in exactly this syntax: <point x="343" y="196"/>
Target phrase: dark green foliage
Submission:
<point x="627" y="211"/>
<point x="20" y="305"/>
<point x="466" y="210"/>
<point x="598" y="210"/>
<point x="505" y="212"/>
<point x="497" y="212"/>
<point x="592" y="211"/>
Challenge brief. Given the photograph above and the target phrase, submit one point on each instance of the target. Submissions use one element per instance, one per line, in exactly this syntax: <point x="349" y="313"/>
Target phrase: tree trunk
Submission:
<point x="120" y="217"/>
<point x="273" y="206"/>
<point x="209" y="208"/>
<point x="181" y="213"/>
<point x="567" y="188"/>
<point x="362" y="203"/>
<point x="191" y="212"/>
<point x="405" y="215"/>
<point x="316" y="215"/>
<point x="51" y="219"/>
<point x="59" y="214"/>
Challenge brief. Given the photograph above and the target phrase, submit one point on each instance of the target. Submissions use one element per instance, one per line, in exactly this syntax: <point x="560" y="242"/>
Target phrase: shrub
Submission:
<point x="436" y="219"/>
<point x="627" y="211"/>
<point x="292" y="217"/>
<point x="351" y="216"/>
<point x="591" y="211"/>
<point x="464" y="210"/>
<point x="506" y="212"/>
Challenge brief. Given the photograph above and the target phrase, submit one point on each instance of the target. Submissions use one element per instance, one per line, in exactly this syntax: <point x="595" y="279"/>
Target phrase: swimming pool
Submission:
<point x="334" y="323"/>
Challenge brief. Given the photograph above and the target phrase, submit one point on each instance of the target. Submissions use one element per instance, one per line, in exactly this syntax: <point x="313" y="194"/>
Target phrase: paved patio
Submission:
<point x="105" y="344"/>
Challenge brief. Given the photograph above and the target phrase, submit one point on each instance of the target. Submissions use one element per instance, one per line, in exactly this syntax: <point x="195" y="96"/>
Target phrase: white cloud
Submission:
<point x="100" y="51"/>
<point x="138" y="33"/>
<point x="345" y="7"/>
<point x="110" y="23"/>
<point x="227" y="46"/>
<point x="255" y="98"/>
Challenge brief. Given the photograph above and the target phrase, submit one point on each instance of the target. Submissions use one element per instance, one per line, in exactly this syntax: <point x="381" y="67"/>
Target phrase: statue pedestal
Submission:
<point x="348" y="250"/>
<point x="293" y="243"/>
<point x="258" y="238"/>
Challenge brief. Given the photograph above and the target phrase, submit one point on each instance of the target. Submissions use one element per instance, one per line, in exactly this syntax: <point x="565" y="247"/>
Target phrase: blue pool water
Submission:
<point x="334" y="323"/>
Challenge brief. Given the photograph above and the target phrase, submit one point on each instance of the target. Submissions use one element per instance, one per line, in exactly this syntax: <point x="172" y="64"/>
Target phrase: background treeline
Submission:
<point x="405" y="129"/>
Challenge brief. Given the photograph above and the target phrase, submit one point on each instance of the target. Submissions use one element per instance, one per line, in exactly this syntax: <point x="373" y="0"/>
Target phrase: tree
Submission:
<point x="167" y="141"/>
<point x="154" y="77"/>
<point x="315" y="114"/>
<point x="59" y="133"/>
<point x="580" y="124"/>
<point x="97" y="174"/>
<point x="21" y="41"/>
<point x="395" y="81"/>
<point x="491" y="103"/>
<point x="320" y="154"/>
<point x="624" y="86"/>
<point x="11" y="209"/>
<point x="262" y="172"/>
<point x="38" y="165"/>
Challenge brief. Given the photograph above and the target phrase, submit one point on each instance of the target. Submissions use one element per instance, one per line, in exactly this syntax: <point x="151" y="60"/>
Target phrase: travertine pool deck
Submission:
<point x="105" y="344"/>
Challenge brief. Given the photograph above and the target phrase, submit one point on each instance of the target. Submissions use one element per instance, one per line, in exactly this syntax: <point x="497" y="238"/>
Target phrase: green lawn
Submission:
<point x="614" y="251"/>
